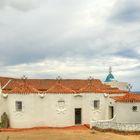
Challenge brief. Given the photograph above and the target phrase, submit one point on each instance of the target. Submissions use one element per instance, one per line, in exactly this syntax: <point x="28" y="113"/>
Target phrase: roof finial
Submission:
<point x="129" y="87"/>
<point x="90" y="80"/>
<point x="24" y="78"/>
<point x="58" y="78"/>
<point x="110" y="69"/>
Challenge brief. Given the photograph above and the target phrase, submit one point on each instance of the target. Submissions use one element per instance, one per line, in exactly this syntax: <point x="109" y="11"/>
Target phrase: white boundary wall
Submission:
<point x="111" y="124"/>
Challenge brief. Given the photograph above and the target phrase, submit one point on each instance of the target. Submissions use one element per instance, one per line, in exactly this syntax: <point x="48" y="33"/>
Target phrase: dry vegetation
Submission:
<point x="56" y="134"/>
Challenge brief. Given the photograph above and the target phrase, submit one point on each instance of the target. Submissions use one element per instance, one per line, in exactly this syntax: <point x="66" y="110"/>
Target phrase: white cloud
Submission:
<point x="23" y="5"/>
<point x="74" y="39"/>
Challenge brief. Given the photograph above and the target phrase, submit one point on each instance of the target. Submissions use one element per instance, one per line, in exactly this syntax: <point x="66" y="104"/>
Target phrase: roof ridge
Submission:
<point x="24" y="88"/>
<point x="59" y="88"/>
<point x="128" y="97"/>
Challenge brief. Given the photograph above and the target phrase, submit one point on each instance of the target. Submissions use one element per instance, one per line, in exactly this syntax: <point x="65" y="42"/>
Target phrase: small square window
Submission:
<point x="18" y="106"/>
<point x="96" y="104"/>
<point x="134" y="108"/>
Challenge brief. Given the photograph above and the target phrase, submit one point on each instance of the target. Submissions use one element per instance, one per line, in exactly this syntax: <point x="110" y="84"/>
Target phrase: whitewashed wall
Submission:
<point x="3" y="105"/>
<point x="110" y="124"/>
<point x="125" y="118"/>
<point x="126" y="114"/>
<point x="45" y="111"/>
<point x="120" y="85"/>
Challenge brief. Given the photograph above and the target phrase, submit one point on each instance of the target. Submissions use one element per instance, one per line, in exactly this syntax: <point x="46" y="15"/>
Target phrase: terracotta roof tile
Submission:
<point x="23" y="88"/>
<point x="59" y="88"/>
<point x="88" y="88"/>
<point x="73" y="85"/>
<point x="101" y="89"/>
<point x="129" y="97"/>
<point x="45" y="84"/>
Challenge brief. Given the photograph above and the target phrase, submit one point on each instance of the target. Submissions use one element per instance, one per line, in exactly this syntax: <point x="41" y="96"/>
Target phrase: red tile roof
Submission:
<point x="129" y="97"/>
<point x="23" y="88"/>
<point x="88" y="88"/>
<point x="59" y="88"/>
<point x="45" y="84"/>
<point x="52" y="86"/>
<point x="101" y="89"/>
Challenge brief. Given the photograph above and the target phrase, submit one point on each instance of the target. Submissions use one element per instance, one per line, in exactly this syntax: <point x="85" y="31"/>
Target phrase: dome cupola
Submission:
<point x="110" y="76"/>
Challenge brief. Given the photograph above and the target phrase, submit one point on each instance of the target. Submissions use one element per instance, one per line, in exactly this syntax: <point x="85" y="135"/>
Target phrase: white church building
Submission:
<point x="60" y="103"/>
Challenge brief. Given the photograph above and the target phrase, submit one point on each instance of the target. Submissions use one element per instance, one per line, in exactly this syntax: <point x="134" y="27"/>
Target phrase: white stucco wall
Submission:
<point x="3" y="105"/>
<point x="125" y="119"/>
<point x="120" y="85"/>
<point x="46" y="112"/>
<point x="125" y="113"/>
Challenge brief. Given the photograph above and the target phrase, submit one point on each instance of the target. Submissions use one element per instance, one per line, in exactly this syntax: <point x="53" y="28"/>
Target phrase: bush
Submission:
<point x="4" y="120"/>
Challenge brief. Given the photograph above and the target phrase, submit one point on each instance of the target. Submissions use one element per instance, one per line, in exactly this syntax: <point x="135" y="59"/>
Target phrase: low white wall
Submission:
<point x="125" y="118"/>
<point x="110" y="124"/>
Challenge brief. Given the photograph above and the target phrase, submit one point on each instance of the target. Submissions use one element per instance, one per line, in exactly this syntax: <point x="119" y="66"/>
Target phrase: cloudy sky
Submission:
<point x="70" y="38"/>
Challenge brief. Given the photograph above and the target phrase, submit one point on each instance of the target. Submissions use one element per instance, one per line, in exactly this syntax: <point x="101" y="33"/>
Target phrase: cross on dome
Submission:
<point x="110" y="69"/>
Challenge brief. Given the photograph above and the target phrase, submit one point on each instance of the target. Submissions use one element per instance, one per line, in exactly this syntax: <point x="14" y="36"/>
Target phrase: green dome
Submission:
<point x="110" y="78"/>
